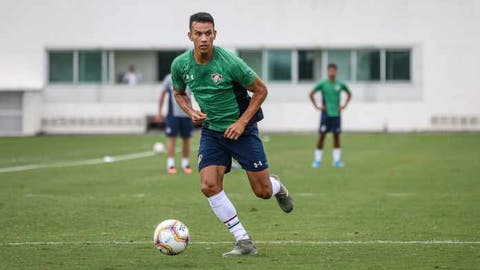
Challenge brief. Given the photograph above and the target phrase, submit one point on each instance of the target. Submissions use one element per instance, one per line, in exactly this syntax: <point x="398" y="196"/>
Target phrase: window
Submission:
<point x="306" y="61"/>
<point x="164" y="61"/>
<point x="309" y="65"/>
<point x="253" y="58"/>
<point x="342" y="58"/>
<point x="279" y="65"/>
<point x="142" y="63"/>
<point x="368" y="65"/>
<point x="398" y="65"/>
<point x="282" y="65"/>
<point x="90" y="66"/>
<point x="78" y="66"/>
<point x="60" y="67"/>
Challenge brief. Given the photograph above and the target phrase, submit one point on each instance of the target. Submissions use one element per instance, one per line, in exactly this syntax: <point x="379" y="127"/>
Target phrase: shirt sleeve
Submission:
<point x="344" y="87"/>
<point x="167" y="82"/>
<point x="318" y="87"/>
<point x="241" y="72"/>
<point x="177" y="77"/>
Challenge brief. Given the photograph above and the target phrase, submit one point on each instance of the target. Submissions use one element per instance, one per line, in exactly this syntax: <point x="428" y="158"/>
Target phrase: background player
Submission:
<point x="177" y="123"/>
<point x="219" y="79"/>
<point x="330" y="108"/>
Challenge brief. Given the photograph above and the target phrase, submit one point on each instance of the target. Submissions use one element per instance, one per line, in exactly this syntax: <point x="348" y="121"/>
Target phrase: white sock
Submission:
<point x="184" y="162"/>
<point x="226" y="212"/>
<point x="336" y="154"/>
<point x="318" y="154"/>
<point x="170" y="162"/>
<point x="275" y="186"/>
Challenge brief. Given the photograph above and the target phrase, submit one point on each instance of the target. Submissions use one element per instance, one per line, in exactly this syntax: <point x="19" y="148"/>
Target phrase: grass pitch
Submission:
<point x="404" y="190"/>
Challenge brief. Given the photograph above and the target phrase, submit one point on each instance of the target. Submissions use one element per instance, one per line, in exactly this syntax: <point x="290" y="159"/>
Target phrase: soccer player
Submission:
<point x="178" y="123"/>
<point x="330" y="108"/>
<point x="219" y="81"/>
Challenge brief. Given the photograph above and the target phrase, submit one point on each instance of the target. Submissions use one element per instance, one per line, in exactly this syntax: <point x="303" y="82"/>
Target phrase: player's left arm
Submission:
<point x="260" y="92"/>
<point x="161" y="101"/>
<point x="349" y="97"/>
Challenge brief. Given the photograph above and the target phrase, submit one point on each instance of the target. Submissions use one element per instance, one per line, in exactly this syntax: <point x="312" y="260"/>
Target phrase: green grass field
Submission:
<point x="402" y="189"/>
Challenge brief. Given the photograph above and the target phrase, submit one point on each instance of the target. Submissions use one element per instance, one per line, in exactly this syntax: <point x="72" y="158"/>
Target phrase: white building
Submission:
<point x="412" y="65"/>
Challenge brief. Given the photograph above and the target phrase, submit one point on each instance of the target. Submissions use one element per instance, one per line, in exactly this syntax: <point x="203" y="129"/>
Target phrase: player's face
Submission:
<point x="202" y="35"/>
<point x="332" y="73"/>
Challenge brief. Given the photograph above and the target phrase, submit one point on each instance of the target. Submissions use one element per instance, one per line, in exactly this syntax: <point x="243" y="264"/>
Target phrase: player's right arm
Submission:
<point x="161" y="101"/>
<point x="185" y="103"/>
<point x="316" y="89"/>
<point x="182" y="97"/>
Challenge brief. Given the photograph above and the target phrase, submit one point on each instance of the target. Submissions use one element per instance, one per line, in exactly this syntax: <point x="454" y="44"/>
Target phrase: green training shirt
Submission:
<point x="331" y="95"/>
<point x="213" y="84"/>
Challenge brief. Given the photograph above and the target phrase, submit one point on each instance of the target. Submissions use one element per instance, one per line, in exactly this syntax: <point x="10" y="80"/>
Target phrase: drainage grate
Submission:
<point x="90" y="121"/>
<point x="455" y="121"/>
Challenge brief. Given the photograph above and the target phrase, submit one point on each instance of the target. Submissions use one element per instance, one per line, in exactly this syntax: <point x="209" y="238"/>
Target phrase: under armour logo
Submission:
<point x="259" y="164"/>
<point x="188" y="77"/>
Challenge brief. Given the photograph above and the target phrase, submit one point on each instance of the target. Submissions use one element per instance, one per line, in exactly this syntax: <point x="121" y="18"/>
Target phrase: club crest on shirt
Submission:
<point x="337" y="87"/>
<point x="216" y="78"/>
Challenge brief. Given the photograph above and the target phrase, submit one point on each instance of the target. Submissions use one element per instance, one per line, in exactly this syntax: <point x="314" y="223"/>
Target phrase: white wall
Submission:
<point x="32" y="112"/>
<point x="445" y="36"/>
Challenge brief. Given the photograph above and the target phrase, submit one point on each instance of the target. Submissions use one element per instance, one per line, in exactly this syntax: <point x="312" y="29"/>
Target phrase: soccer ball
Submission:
<point x="159" y="148"/>
<point x="171" y="237"/>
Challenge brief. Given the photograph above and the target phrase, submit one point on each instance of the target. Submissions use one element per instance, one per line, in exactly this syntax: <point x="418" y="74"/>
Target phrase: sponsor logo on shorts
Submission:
<point x="217" y="78"/>
<point x="258" y="164"/>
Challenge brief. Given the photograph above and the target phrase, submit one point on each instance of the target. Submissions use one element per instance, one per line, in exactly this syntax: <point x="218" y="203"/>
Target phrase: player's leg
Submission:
<point x="171" y="155"/>
<point x="261" y="184"/>
<point x="266" y="186"/>
<point x="171" y="131"/>
<point x="186" y="128"/>
<point x="336" y="140"/>
<point x="185" y="155"/>
<point x="337" y="161"/>
<point x="214" y="162"/>
<point x="248" y="151"/>
<point x="212" y="188"/>
<point x="319" y="150"/>
<point x="321" y="139"/>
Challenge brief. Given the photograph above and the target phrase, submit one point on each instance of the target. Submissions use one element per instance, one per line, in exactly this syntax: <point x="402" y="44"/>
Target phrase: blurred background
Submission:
<point x="97" y="66"/>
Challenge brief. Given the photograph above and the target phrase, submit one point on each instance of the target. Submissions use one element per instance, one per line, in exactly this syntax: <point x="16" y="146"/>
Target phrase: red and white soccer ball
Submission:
<point x="171" y="237"/>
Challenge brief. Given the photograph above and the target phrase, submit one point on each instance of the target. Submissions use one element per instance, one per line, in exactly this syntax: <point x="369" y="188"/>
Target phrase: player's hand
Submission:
<point x="198" y="117"/>
<point x="321" y="108"/>
<point x="234" y="131"/>
<point x="159" y="118"/>
<point x="342" y="107"/>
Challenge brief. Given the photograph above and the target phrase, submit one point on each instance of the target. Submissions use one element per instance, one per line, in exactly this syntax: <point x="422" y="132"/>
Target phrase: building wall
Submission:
<point x="444" y="35"/>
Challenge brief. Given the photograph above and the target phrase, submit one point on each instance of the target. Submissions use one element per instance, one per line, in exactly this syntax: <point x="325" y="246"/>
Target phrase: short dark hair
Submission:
<point x="332" y="65"/>
<point x="203" y="17"/>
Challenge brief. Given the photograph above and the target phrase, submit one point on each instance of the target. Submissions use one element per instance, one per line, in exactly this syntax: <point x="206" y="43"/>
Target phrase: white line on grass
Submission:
<point x="400" y="194"/>
<point x="93" y="161"/>
<point x="273" y="242"/>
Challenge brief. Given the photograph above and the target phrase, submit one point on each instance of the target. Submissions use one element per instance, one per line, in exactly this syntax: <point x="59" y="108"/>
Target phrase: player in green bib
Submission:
<point x="330" y="108"/>
<point x="219" y="81"/>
